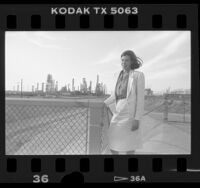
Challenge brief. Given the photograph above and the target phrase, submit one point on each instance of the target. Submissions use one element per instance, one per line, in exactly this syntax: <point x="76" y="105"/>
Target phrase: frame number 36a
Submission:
<point x="40" y="178"/>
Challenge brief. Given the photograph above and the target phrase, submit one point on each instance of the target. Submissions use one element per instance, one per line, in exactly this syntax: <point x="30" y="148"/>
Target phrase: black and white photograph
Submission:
<point x="98" y="92"/>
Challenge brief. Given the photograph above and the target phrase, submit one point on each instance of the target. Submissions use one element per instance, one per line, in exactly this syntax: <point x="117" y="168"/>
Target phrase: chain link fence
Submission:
<point x="107" y="115"/>
<point x="61" y="128"/>
<point x="42" y="129"/>
<point x="170" y="108"/>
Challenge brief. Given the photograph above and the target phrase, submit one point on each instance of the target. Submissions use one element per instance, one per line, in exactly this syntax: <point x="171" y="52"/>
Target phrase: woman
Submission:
<point x="124" y="133"/>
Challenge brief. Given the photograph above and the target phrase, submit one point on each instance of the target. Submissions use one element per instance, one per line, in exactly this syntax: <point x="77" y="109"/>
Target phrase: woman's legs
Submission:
<point x="114" y="152"/>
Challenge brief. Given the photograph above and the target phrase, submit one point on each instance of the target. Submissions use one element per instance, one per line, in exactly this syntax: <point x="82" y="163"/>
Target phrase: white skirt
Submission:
<point x="120" y="136"/>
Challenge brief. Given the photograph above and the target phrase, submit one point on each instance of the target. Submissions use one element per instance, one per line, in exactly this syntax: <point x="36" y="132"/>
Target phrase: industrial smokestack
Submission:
<point x="42" y="87"/>
<point x="37" y="86"/>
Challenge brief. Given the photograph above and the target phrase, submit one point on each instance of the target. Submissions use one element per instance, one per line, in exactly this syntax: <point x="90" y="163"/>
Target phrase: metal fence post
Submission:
<point x="183" y="98"/>
<point x="95" y="127"/>
<point x="165" y="113"/>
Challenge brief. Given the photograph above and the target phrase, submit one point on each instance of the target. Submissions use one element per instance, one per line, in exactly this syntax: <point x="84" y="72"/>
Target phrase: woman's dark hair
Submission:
<point x="136" y="61"/>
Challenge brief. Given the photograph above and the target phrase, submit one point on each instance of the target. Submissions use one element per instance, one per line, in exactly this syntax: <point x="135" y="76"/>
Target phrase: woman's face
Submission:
<point x="126" y="62"/>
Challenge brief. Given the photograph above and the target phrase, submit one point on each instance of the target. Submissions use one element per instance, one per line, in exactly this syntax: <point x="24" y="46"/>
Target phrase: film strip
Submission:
<point x="79" y="168"/>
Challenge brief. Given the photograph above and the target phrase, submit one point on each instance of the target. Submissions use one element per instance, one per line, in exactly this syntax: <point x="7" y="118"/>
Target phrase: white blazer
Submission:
<point x="135" y="94"/>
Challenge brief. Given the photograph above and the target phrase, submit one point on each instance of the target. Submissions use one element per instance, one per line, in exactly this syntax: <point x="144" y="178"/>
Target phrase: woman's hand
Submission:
<point x="109" y="111"/>
<point x="135" y="125"/>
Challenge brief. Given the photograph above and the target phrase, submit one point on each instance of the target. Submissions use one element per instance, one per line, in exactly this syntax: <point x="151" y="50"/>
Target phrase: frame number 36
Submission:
<point x="40" y="179"/>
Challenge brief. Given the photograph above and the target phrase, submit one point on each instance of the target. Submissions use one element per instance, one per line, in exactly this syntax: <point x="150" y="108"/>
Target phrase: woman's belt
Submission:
<point x="120" y="97"/>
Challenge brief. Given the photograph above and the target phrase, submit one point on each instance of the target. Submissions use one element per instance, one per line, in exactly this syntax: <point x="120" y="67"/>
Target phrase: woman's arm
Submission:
<point x="109" y="102"/>
<point x="140" y="96"/>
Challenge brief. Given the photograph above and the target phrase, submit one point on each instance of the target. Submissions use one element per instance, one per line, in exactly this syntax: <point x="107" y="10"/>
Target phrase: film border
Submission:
<point x="174" y="168"/>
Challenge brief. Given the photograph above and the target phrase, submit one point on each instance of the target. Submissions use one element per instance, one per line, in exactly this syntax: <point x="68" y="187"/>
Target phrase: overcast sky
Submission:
<point x="73" y="54"/>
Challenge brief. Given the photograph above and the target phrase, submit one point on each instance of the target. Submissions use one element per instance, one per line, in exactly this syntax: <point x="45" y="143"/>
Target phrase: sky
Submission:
<point x="32" y="55"/>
